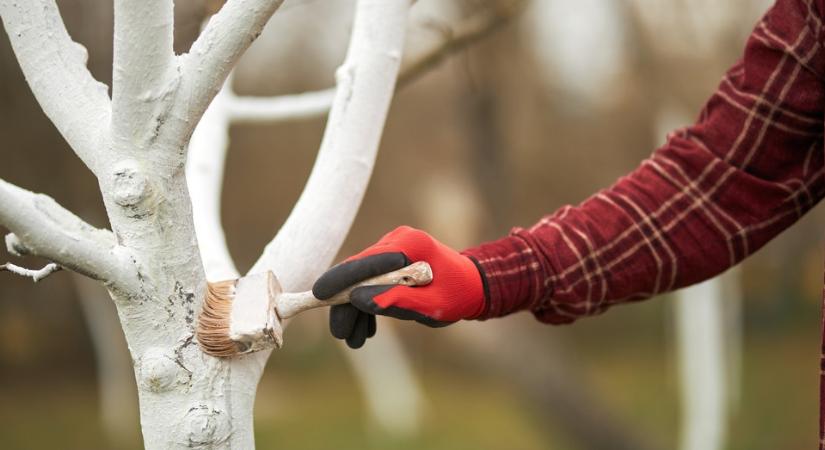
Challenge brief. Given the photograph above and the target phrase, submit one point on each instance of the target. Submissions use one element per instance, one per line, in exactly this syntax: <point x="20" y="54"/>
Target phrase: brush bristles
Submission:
<point x="213" y="323"/>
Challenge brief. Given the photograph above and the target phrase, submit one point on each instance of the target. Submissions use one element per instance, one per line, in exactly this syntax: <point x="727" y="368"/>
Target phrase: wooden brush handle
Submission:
<point x="290" y="304"/>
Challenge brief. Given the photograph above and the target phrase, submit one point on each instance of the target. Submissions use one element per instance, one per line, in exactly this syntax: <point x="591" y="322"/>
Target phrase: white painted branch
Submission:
<point x="213" y="55"/>
<point x="35" y="275"/>
<point x="46" y="229"/>
<point x="143" y="72"/>
<point x="204" y="173"/>
<point x="316" y="228"/>
<point x="383" y="371"/>
<point x="306" y="105"/>
<point x="55" y="68"/>
<point x="312" y="235"/>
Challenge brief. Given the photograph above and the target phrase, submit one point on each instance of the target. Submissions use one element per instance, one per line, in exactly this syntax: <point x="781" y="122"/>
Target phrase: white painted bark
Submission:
<point x="44" y="228"/>
<point x="35" y="275"/>
<point x="55" y="67"/>
<point x="204" y="172"/>
<point x="433" y="45"/>
<point x="306" y="105"/>
<point x="137" y="149"/>
<point x="308" y="241"/>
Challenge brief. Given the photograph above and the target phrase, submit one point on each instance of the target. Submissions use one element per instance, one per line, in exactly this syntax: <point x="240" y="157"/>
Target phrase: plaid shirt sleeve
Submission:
<point x="716" y="192"/>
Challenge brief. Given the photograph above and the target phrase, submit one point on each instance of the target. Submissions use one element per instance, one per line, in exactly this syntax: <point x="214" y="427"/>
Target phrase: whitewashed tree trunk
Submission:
<point x="136" y="145"/>
<point x="702" y="374"/>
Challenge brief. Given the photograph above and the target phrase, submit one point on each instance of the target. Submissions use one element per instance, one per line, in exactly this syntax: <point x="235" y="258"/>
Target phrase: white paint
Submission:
<point x="307" y="105"/>
<point x="347" y="155"/>
<point x="136" y="146"/>
<point x="253" y="321"/>
<point x="42" y="227"/>
<point x="204" y="173"/>
<point x="55" y="67"/>
<point x="35" y="275"/>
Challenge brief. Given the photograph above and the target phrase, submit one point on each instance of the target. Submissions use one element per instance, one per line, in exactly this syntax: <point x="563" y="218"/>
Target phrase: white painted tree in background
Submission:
<point x="136" y="145"/>
<point x="671" y="35"/>
<point x="708" y="317"/>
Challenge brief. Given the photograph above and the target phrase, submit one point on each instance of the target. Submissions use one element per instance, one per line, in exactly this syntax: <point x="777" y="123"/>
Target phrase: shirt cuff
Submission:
<point x="510" y="273"/>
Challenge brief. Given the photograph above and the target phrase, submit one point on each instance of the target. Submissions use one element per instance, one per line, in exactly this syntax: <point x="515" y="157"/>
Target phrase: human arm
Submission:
<point x="716" y="192"/>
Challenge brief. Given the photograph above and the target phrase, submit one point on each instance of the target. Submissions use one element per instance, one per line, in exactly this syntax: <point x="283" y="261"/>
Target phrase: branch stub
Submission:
<point x="131" y="187"/>
<point x="160" y="371"/>
<point x="206" y="426"/>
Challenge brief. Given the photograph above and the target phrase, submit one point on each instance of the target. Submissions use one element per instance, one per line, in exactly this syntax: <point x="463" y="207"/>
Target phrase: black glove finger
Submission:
<point x="363" y="298"/>
<point x="359" y="332"/>
<point x="348" y="273"/>
<point x="342" y="320"/>
<point x="372" y="325"/>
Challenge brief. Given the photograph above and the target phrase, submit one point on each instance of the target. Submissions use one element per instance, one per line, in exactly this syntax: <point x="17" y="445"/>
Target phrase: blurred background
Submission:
<point x="559" y="100"/>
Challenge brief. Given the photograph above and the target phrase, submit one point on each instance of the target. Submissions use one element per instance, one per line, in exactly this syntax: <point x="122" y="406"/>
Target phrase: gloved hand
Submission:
<point x="456" y="292"/>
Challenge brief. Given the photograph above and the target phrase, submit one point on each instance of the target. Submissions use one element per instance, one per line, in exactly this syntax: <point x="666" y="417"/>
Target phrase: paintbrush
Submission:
<point x="244" y="315"/>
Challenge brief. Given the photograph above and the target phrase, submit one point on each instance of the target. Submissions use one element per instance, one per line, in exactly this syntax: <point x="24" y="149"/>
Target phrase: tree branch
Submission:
<point x="317" y="226"/>
<point x="43" y="228"/>
<point x="35" y="275"/>
<point x="143" y="71"/>
<point x="308" y="105"/>
<point x="55" y="68"/>
<point x="458" y="37"/>
<point x="213" y="55"/>
<point x="204" y="174"/>
<point x="210" y="141"/>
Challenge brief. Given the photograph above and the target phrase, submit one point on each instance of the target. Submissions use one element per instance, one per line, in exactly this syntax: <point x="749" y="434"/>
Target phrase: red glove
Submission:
<point x="456" y="292"/>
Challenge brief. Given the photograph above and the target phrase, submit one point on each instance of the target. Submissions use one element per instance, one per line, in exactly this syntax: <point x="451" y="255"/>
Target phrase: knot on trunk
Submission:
<point x="132" y="189"/>
<point x="160" y="371"/>
<point x="206" y="426"/>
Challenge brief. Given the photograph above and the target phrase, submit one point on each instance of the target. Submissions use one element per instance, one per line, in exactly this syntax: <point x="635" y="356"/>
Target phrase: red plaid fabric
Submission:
<point x="716" y="192"/>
